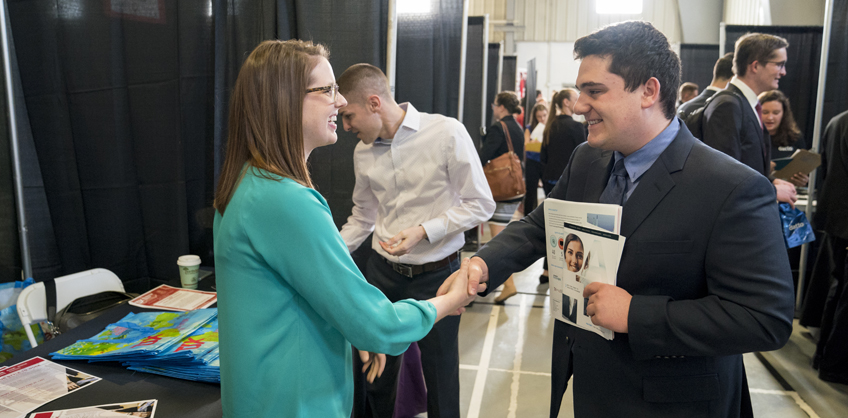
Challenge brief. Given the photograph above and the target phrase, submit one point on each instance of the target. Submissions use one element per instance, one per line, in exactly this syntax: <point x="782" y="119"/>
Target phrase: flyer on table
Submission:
<point x="175" y="299"/>
<point x="34" y="382"/>
<point x="144" y="409"/>
<point x="583" y="247"/>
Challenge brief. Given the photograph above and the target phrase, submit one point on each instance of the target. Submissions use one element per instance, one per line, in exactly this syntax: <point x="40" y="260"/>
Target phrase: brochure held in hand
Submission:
<point x="583" y="246"/>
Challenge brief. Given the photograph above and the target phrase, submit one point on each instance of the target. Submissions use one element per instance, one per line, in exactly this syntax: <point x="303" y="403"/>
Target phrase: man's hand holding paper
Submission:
<point x="608" y="306"/>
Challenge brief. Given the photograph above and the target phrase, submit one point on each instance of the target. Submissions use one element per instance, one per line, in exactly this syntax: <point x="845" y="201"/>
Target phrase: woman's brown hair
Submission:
<point x="787" y="131"/>
<point x="533" y="119"/>
<point x="509" y="100"/>
<point x="266" y="116"/>
<point x="556" y="109"/>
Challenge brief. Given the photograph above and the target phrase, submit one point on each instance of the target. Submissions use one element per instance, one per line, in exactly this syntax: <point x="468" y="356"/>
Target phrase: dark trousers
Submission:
<point x="439" y="349"/>
<point x="561" y="364"/>
<point x="532" y="174"/>
<point x="831" y="358"/>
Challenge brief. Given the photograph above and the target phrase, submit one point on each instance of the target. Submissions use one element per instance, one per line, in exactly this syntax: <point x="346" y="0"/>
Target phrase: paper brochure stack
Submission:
<point x="583" y="246"/>
<point x="182" y="345"/>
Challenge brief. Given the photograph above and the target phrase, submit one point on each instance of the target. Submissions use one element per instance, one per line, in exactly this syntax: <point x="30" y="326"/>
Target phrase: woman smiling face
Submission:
<point x="574" y="256"/>
<point x="320" y="108"/>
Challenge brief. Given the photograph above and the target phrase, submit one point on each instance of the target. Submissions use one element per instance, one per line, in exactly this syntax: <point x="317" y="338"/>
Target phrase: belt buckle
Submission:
<point x="402" y="269"/>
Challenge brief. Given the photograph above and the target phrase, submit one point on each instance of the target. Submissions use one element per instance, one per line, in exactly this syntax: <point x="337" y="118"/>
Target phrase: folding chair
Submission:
<point x="32" y="302"/>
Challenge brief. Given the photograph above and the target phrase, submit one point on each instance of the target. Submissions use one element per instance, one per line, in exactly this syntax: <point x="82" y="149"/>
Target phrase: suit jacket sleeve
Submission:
<point x="521" y="243"/>
<point x="722" y="125"/>
<point x="748" y="304"/>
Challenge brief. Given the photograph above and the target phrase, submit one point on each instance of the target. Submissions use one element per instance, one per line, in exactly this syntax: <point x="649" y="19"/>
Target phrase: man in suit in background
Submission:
<point x="704" y="275"/>
<point x="722" y="73"/>
<point x="831" y="358"/>
<point x="759" y="61"/>
<point x="688" y="91"/>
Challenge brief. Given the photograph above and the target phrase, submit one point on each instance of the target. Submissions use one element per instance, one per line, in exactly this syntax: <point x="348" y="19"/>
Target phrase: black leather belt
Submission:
<point x="409" y="270"/>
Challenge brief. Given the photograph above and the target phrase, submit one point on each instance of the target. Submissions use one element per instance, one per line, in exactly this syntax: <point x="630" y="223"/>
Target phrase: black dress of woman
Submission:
<point x="564" y="136"/>
<point x="494" y="143"/>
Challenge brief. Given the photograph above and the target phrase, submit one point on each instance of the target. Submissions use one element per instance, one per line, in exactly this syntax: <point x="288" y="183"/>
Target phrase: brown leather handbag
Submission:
<point x="504" y="173"/>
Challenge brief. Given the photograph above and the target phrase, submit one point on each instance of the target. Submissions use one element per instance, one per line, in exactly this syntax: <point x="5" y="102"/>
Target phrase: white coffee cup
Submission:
<point x="189" y="267"/>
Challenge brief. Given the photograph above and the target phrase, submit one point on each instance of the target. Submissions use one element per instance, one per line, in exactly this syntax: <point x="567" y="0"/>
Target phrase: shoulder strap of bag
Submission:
<point x="50" y="294"/>
<point x="508" y="139"/>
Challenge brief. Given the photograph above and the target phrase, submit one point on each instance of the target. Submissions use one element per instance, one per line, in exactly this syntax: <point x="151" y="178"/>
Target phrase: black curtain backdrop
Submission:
<point x="42" y="245"/>
<point x="697" y="62"/>
<point x="354" y="32"/>
<point x="802" y="67"/>
<point x="119" y="104"/>
<point x="836" y="93"/>
<point x="475" y="55"/>
<point x="818" y="284"/>
<point x="428" y="57"/>
<point x="492" y="80"/>
<point x="10" y="249"/>
<point x="509" y="73"/>
<point x="128" y="114"/>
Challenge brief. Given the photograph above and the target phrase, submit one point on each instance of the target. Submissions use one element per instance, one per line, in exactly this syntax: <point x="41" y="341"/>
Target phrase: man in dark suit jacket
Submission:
<point x="831" y="358"/>
<point x="722" y="73"/>
<point x="759" y="61"/>
<point x="704" y="276"/>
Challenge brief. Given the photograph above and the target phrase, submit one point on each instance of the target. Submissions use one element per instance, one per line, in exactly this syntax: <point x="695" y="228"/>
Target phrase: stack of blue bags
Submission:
<point x="182" y="345"/>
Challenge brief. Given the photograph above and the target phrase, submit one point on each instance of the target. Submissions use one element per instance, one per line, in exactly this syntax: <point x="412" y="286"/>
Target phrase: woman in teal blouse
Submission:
<point x="290" y="299"/>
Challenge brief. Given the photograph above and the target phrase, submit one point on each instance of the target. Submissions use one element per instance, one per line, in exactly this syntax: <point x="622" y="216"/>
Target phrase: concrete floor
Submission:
<point x="505" y="358"/>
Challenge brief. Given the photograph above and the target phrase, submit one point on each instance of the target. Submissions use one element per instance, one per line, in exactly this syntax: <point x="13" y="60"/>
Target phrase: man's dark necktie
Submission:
<point x="766" y="138"/>
<point x="616" y="186"/>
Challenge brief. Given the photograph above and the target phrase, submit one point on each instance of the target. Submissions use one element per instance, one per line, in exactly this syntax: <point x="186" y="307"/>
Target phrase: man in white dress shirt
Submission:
<point x="419" y="187"/>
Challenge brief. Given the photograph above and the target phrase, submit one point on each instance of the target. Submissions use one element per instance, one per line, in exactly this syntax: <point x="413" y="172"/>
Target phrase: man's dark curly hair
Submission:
<point x="637" y="52"/>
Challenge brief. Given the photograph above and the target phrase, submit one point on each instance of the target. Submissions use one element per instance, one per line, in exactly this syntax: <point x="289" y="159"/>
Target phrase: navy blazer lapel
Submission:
<point x="597" y="177"/>
<point x="656" y="182"/>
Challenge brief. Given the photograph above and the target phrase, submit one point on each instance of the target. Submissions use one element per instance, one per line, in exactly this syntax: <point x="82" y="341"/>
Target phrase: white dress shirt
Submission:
<point x="429" y="174"/>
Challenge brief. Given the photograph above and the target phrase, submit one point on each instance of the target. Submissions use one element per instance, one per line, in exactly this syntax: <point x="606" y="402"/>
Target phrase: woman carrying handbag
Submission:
<point x="502" y="145"/>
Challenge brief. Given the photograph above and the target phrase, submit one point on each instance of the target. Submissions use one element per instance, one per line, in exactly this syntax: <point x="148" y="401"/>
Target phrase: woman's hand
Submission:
<point x="454" y="293"/>
<point x="458" y="289"/>
<point x="377" y="361"/>
<point x="799" y="179"/>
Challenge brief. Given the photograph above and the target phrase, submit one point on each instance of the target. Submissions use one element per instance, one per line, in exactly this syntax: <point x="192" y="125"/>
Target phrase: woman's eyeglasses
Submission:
<point x="332" y="90"/>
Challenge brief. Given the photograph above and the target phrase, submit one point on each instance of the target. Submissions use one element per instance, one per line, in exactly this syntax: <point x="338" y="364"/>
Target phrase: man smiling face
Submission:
<point x="613" y="113"/>
<point x="769" y="72"/>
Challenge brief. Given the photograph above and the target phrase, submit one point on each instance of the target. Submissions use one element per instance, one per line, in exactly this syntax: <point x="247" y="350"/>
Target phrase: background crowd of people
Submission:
<point x="691" y="291"/>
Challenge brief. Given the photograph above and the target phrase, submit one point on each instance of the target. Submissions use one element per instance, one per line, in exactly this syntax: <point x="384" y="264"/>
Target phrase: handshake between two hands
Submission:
<point x="608" y="306"/>
<point x="463" y="285"/>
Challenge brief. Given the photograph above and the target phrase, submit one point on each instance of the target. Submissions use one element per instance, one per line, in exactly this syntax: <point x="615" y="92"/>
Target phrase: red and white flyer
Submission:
<point x="144" y="409"/>
<point x="175" y="299"/>
<point x="34" y="382"/>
